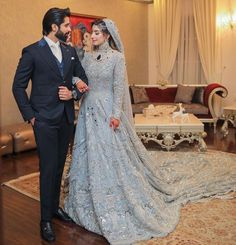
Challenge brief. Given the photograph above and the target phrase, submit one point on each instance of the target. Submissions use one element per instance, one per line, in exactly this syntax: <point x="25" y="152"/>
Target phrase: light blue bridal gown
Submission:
<point x="113" y="190"/>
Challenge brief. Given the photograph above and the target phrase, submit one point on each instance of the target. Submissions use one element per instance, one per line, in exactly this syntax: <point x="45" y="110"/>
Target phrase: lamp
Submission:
<point x="227" y="18"/>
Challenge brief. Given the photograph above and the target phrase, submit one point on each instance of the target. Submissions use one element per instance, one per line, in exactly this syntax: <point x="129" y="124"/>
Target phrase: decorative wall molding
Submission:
<point x="142" y="1"/>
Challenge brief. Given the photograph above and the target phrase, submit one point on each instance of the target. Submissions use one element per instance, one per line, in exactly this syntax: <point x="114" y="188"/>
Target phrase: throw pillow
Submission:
<point x="184" y="94"/>
<point x="139" y="94"/>
<point x="198" y="96"/>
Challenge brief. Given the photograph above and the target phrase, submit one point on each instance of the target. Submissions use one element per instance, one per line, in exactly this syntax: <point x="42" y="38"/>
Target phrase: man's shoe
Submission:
<point x="47" y="232"/>
<point x="62" y="215"/>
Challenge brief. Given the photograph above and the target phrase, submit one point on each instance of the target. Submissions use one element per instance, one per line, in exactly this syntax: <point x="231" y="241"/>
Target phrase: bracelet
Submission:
<point x="77" y="81"/>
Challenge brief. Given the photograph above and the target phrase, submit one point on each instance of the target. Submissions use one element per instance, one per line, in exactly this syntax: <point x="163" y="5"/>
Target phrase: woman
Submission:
<point x="113" y="190"/>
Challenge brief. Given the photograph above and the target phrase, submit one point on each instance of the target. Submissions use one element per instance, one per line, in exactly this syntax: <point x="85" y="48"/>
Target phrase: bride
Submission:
<point x="113" y="187"/>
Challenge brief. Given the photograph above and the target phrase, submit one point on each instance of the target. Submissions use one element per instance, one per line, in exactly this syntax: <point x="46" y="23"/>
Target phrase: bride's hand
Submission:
<point x="114" y="123"/>
<point x="82" y="86"/>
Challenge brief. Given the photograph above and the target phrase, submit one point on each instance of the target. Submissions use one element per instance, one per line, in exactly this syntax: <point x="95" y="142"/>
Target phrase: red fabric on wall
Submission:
<point x="157" y="95"/>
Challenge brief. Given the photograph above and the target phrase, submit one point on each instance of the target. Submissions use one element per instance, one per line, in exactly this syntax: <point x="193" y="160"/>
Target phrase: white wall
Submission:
<point x="229" y="65"/>
<point x="152" y="65"/>
<point x="21" y="25"/>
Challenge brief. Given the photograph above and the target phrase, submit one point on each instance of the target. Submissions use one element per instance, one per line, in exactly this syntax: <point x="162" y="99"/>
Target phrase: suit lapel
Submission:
<point x="47" y="55"/>
<point x="66" y="57"/>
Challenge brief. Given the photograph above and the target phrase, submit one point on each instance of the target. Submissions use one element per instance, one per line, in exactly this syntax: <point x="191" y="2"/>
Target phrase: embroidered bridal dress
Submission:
<point x="113" y="188"/>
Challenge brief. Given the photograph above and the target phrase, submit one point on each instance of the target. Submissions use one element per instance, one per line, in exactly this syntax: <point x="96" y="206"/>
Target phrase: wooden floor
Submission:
<point x="19" y="215"/>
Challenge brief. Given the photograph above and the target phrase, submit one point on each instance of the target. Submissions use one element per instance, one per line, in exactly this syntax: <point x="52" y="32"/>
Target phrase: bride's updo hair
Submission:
<point x="102" y="26"/>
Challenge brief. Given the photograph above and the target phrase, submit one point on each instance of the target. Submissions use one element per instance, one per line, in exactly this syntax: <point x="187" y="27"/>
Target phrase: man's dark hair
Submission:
<point x="54" y="16"/>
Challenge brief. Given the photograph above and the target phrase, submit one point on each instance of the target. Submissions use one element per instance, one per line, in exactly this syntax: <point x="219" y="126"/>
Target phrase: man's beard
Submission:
<point x="62" y="36"/>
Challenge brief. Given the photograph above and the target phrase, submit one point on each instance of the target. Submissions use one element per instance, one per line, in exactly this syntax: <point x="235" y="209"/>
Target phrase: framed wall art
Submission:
<point x="81" y="32"/>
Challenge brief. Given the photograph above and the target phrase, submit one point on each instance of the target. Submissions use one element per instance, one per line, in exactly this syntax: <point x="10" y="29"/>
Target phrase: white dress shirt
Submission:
<point x="55" y="48"/>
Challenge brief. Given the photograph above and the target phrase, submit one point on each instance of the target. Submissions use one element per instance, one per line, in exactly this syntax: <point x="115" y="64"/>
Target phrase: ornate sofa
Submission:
<point x="201" y="100"/>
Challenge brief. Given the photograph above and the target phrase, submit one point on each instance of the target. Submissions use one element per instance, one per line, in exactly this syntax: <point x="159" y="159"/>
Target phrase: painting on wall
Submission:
<point x="81" y="32"/>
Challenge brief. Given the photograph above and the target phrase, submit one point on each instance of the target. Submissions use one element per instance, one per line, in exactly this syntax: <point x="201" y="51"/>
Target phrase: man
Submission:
<point x="50" y="65"/>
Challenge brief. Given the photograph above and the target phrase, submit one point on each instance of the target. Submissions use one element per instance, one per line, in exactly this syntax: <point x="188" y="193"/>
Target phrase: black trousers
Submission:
<point x="52" y="143"/>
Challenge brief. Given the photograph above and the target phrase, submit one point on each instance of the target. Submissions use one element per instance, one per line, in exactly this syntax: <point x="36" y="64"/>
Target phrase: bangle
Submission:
<point x="79" y="80"/>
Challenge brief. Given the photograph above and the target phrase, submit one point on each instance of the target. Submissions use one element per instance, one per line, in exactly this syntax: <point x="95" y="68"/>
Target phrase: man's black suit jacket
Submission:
<point x="39" y="65"/>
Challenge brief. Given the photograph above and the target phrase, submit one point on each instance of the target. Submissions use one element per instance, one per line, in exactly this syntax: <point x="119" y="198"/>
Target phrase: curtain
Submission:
<point x="167" y="18"/>
<point x="208" y="38"/>
<point x="187" y="68"/>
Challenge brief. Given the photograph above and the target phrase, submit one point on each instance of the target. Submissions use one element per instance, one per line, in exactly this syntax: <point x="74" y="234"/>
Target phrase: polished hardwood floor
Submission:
<point x="19" y="215"/>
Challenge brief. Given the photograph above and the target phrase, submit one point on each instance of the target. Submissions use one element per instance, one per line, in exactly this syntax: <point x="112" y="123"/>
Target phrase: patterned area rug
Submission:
<point x="29" y="184"/>
<point x="208" y="222"/>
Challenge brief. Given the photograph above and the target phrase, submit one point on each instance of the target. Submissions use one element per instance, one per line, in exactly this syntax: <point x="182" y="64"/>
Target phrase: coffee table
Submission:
<point x="229" y="114"/>
<point x="167" y="133"/>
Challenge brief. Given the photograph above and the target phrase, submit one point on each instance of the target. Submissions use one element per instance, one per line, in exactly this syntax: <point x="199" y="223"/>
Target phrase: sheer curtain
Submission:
<point x="167" y="17"/>
<point x="208" y="38"/>
<point x="187" y="68"/>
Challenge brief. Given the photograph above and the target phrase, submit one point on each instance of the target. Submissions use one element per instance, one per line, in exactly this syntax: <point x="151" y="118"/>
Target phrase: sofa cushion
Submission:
<point x="196" y="109"/>
<point x="139" y="94"/>
<point x="198" y="96"/>
<point x="131" y="95"/>
<point x="165" y="95"/>
<point x="184" y="94"/>
<point x="138" y="108"/>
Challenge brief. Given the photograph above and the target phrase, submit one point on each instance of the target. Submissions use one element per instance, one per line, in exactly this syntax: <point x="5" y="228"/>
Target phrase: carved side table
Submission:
<point x="229" y="115"/>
